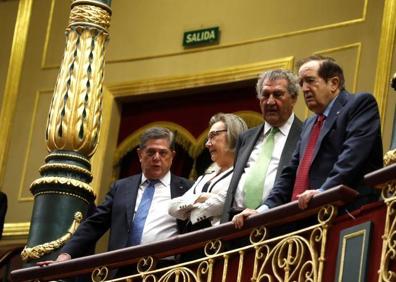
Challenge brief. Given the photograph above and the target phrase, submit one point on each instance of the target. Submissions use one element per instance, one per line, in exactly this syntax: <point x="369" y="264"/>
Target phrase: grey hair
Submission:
<point x="292" y="81"/>
<point x="157" y="133"/>
<point x="235" y="125"/>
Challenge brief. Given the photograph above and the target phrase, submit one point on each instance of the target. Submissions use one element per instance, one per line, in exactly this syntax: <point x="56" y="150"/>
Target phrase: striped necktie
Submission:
<point x="302" y="177"/>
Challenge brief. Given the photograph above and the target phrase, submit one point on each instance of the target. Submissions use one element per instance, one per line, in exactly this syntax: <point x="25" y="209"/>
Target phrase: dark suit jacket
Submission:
<point x="348" y="147"/>
<point x="116" y="213"/>
<point x="3" y="211"/>
<point x="244" y="148"/>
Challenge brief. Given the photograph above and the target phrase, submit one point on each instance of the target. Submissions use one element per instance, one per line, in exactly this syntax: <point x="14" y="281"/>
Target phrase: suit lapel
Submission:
<point x="331" y="119"/>
<point x="176" y="187"/>
<point x="289" y="146"/>
<point x="247" y="149"/>
<point x="131" y="196"/>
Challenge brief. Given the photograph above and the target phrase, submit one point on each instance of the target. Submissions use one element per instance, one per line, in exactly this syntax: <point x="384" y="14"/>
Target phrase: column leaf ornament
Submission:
<point x="73" y="129"/>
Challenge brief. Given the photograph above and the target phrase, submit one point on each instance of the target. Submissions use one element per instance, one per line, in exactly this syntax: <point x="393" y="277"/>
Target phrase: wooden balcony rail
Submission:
<point x="381" y="176"/>
<point x="282" y="215"/>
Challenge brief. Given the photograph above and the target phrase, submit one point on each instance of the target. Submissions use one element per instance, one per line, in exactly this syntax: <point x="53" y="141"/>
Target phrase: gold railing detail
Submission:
<point x="205" y="270"/>
<point x="296" y="256"/>
<point x="146" y="264"/>
<point x="38" y="251"/>
<point x="390" y="157"/>
<point x="213" y="247"/>
<point x="388" y="255"/>
<point x="99" y="274"/>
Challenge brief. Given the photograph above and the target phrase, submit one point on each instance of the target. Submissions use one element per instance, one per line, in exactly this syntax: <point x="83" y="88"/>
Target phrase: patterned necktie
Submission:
<point x="302" y="180"/>
<point x="141" y="214"/>
<point x="254" y="182"/>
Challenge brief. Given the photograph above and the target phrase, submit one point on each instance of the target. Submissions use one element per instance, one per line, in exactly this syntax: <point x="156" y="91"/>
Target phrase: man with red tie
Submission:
<point x="339" y="144"/>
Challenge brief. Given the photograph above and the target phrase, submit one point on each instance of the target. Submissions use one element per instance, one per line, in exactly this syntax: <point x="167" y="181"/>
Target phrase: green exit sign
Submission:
<point x="201" y="37"/>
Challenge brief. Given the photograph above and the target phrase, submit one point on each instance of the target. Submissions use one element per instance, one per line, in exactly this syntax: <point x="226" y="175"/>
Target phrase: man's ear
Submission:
<point x="173" y="153"/>
<point x="334" y="83"/>
<point x="139" y="152"/>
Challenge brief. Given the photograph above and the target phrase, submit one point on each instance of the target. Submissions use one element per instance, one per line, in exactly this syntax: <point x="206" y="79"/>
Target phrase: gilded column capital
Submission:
<point x="90" y="13"/>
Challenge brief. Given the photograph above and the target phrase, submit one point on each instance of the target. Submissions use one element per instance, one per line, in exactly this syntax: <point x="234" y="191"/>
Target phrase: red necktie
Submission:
<point x="302" y="182"/>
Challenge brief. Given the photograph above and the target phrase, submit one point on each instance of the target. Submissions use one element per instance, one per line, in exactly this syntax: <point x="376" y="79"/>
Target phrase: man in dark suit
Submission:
<point x="277" y="92"/>
<point x="347" y="145"/>
<point x="3" y="211"/>
<point x="126" y="196"/>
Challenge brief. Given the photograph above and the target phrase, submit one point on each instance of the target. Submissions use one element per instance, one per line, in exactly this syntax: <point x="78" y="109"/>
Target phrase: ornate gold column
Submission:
<point x="62" y="195"/>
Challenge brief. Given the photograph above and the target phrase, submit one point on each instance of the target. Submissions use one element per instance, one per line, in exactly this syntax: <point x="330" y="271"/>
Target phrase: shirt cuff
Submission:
<point x="262" y="208"/>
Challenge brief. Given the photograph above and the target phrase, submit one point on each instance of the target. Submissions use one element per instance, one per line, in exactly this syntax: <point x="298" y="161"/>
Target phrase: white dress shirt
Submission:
<point x="184" y="207"/>
<point x="159" y="224"/>
<point x="279" y="142"/>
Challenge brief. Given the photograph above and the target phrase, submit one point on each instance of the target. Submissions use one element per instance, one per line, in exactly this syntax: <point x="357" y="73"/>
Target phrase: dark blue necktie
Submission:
<point x="141" y="214"/>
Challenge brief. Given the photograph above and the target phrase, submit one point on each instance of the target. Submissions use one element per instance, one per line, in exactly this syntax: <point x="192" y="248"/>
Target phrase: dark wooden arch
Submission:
<point x="191" y="109"/>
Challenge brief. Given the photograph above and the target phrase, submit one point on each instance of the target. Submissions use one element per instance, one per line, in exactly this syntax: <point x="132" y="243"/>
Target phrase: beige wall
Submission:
<point x="145" y="55"/>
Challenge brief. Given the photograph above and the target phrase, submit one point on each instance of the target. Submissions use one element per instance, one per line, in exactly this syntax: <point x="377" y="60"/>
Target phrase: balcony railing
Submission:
<point x="299" y="254"/>
<point x="283" y="244"/>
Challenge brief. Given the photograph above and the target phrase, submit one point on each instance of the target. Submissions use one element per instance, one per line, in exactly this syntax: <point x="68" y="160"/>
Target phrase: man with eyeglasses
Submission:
<point x="136" y="208"/>
<point x="262" y="152"/>
<point x="339" y="144"/>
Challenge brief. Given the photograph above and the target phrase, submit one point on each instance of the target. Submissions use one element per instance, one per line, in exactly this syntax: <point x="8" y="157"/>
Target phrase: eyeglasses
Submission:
<point x="162" y="153"/>
<point x="214" y="133"/>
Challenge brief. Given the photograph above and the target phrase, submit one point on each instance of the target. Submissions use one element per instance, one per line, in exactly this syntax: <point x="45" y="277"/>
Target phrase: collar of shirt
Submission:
<point x="284" y="129"/>
<point x="164" y="180"/>
<point x="213" y="167"/>
<point x="329" y="106"/>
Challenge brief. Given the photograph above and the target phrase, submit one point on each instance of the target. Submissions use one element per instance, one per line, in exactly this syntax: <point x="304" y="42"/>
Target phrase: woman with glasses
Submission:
<point x="203" y="203"/>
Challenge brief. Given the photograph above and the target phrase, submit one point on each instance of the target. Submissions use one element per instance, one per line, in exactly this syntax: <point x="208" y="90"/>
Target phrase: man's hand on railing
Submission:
<point x="239" y="219"/>
<point x="62" y="257"/>
<point x="305" y="197"/>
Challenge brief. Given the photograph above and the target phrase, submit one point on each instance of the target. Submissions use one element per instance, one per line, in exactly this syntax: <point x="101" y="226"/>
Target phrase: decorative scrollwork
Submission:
<point x="99" y="274"/>
<point x="326" y="214"/>
<point x="181" y="274"/>
<point x="38" y="251"/>
<point x="258" y="234"/>
<point x="213" y="247"/>
<point x="90" y="15"/>
<point x="316" y="236"/>
<point x="262" y="251"/>
<point x="388" y="256"/>
<point x="63" y="181"/>
<point x="205" y="270"/>
<point x="291" y="259"/>
<point x="389" y="249"/>
<point x="307" y="272"/>
<point x="145" y="264"/>
<point x="390" y="157"/>
<point x="388" y="190"/>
